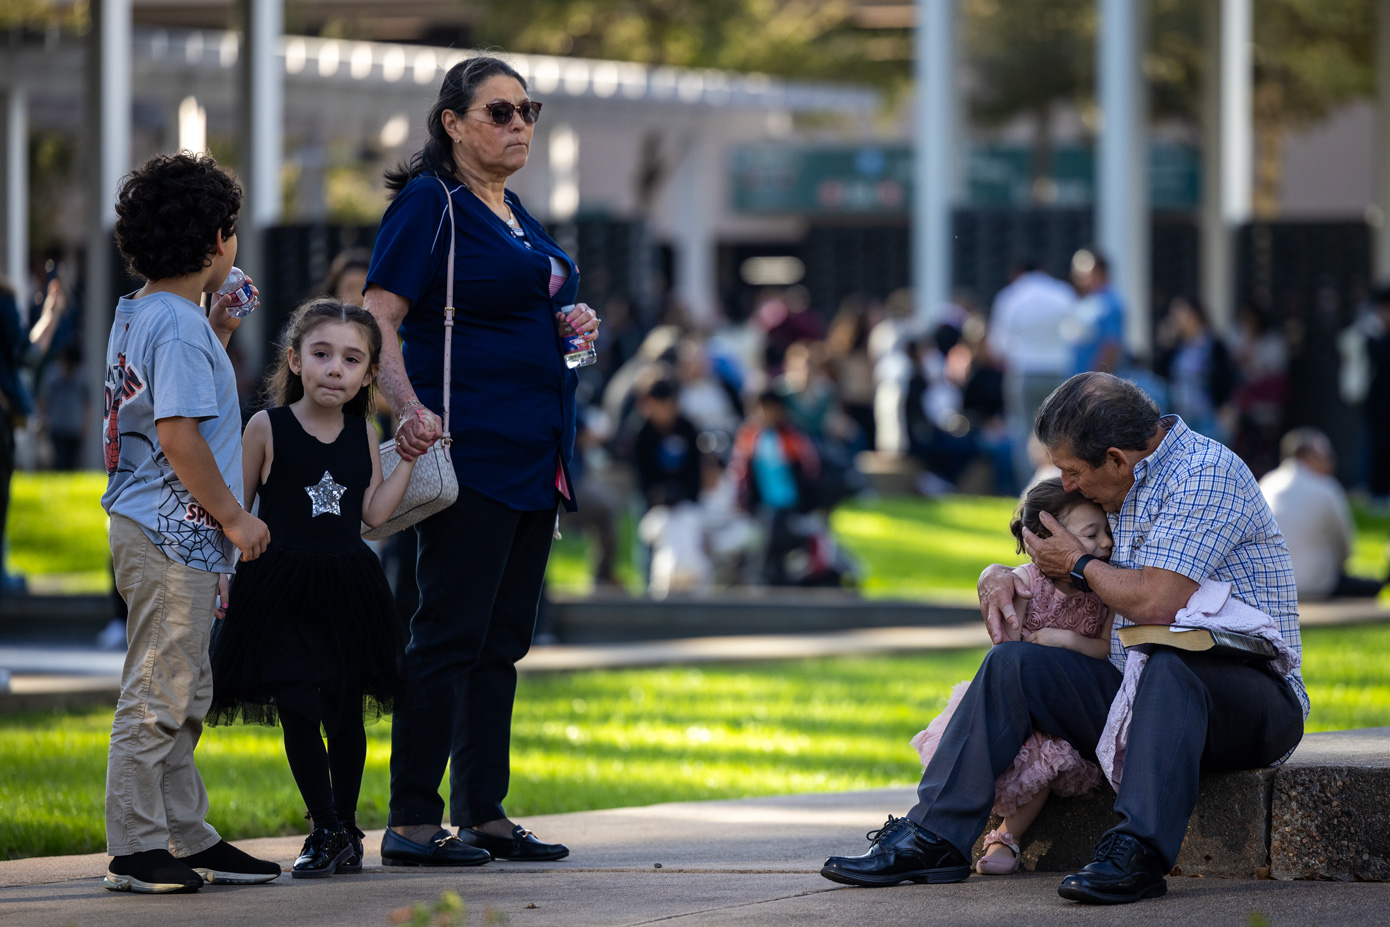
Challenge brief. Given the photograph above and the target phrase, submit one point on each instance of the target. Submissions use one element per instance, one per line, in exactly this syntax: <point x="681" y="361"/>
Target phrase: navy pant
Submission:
<point x="1193" y="712"/>
<point x="480" y="567"/>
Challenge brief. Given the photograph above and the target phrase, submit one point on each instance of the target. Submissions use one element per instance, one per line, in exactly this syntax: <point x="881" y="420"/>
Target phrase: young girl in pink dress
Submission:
<point x="1058" y="615"/>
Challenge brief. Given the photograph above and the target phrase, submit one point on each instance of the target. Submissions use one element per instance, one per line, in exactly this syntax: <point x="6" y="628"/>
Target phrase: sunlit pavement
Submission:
<point x="748" y="862"/>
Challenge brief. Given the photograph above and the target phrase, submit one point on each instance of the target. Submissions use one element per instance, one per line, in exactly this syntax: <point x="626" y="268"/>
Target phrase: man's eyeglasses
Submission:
<point x="503" y="112"/>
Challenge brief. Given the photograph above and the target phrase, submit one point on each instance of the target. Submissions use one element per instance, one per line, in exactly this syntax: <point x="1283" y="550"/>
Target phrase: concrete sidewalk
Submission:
<point x="748" y="862"/>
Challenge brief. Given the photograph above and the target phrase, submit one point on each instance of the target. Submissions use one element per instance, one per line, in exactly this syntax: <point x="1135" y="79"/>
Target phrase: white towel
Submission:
<point x="1212" y="606"/>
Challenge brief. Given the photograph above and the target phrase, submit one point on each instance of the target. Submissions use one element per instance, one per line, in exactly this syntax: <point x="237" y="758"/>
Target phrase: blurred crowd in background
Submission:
<point x="728" y="445"/>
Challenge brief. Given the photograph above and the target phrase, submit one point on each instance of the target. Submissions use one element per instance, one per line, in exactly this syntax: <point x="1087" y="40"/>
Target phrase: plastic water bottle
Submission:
<point x="241" y="298"/>
<point x="579" y="351"/>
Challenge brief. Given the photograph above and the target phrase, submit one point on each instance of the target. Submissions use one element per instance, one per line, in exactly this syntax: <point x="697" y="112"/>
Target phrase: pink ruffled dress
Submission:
<point x="1043" y="759"/>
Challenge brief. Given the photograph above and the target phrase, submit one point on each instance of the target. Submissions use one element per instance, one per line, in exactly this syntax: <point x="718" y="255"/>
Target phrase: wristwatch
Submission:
<point x="1078" y="573"/>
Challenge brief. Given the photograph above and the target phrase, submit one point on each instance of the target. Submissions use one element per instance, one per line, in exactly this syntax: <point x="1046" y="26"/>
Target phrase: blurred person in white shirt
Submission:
<point x="1312" y="512"/>
<point x="1027" y="328"/>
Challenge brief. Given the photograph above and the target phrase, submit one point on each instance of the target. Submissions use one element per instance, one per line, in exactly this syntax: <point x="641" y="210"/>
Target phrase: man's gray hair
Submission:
<point x="1093" y="412"/>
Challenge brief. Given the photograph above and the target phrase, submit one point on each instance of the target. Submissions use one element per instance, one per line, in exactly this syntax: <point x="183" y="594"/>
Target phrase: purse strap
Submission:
<point x="447" y="439"/>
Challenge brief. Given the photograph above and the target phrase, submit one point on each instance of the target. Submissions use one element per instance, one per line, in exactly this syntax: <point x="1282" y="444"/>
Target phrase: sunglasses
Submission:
<point x="503" y="112"/>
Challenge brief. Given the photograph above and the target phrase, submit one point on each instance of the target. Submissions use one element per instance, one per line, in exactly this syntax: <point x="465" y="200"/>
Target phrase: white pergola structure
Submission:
<point x="273" y="87"/>
<point x="1122" y="209"/>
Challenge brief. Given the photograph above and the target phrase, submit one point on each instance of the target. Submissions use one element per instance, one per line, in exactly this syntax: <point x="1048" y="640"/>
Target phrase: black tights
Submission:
<point x="328" y="780"/>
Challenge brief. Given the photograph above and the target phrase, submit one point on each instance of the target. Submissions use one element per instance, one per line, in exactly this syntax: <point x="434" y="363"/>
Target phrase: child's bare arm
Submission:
<point x="257" y="447"/>
<point x="196" y="468"/>
<point x="1098" y="646"/>
<point x="383" y="496"/>
<point x="1070" y="640"/>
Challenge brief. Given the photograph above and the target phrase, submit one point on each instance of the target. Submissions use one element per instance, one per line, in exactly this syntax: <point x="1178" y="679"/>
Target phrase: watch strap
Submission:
<point x="1078" y="572"/>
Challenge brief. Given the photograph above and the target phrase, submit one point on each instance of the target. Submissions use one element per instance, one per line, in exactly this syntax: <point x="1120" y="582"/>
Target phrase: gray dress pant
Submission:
<point x="1192" y="713"/>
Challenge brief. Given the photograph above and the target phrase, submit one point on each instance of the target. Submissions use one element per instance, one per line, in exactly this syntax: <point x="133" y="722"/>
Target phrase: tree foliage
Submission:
<point x="791" y="38"/>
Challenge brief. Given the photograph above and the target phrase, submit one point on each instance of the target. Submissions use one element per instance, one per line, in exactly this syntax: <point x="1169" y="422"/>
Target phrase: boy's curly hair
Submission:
<point x="168" y="211"/>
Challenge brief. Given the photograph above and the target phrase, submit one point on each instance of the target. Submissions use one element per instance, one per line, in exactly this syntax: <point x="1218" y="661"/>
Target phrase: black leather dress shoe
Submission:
<point x="444" y="849"/>
<point x="323" y="851"/>
<point x="521" y="846"/>
<point x="901" y="851"/>
<point x="1124" y="869"/>
<point x="353" y="862"/>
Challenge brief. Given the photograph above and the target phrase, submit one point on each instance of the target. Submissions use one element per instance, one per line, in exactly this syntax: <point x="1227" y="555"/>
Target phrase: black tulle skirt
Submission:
<point x="306" y="631"/>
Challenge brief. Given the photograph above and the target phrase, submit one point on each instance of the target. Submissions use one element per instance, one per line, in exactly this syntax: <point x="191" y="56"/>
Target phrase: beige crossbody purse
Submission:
<point x="433" y="485"/>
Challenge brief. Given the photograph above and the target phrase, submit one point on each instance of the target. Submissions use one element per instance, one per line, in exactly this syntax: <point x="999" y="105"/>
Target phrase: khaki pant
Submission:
<point x="154" y="796"/>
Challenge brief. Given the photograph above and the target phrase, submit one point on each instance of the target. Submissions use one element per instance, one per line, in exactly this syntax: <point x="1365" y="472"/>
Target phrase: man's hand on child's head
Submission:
<point x="1054" y="555"/>
<point x="249" y="534"/>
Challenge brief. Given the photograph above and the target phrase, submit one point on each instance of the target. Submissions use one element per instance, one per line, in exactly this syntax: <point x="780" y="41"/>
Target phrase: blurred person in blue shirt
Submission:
<point x="1096" y="327"/>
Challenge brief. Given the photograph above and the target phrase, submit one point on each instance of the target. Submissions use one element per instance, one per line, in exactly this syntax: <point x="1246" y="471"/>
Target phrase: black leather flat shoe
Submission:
<point x="1124" y="870"/>
<point x="444" y="849"/>
<point x="353" y="862"/>
<point x="901" y="851"/>
<point x="323" y="851"/>
<point x="521" y="846"/>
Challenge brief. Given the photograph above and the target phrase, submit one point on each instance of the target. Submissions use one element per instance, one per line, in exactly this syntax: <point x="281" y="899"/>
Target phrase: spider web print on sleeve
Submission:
<point x="188" y="531"/>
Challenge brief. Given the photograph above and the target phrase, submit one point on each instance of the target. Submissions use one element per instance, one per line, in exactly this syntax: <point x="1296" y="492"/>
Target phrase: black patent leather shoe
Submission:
<point x="901" y="851"/>
<point x="521" y="846"/>
<point x="323" y="851"/>
<point x="444" y="849"/>
<point x="353" y="862"/>
<point x="1124" y="870"/>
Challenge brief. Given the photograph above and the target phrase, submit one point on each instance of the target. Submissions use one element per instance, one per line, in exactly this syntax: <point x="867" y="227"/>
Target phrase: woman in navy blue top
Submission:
<point x="481" y="562"/>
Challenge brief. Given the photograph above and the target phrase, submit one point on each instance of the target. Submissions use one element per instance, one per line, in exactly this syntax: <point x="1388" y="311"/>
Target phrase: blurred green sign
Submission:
<point x="878" y="179"/>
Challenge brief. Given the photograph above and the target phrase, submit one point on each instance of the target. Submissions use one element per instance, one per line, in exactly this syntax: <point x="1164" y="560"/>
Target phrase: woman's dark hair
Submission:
<point x="457" y="93"/>
<point x="1045" y="496"/>
<point x="168" y="212"/>
<point x="1093" y="412"/>
<point x="284" y="386"/>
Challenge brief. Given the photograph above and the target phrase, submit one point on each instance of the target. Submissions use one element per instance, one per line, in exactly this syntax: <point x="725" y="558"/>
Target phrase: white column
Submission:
<point x="1227" y="152"/>
<point x="260" y="123"/>
<point x="15" y="231"/>
<point x="1237" y="112"/>
<point x="1382" y="53"/>
<point x="692" y="230"/>
<point x="1122" y="181"/>
<point x="1228" y="166"/>
<point x="934" y="144"/>
<point x="109" y="113"/>
<point x="562" y="147"/>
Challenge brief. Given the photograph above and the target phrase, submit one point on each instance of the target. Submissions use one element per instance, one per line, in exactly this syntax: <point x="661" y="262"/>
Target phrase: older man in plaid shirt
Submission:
<point x="1182" y="509"/>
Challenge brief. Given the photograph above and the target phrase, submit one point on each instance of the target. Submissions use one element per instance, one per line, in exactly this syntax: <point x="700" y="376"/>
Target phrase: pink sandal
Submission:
<point x="999" y="865"/>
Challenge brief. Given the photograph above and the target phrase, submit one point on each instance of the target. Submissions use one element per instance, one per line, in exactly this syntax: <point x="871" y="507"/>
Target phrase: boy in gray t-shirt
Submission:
<point x="172" y="436"/>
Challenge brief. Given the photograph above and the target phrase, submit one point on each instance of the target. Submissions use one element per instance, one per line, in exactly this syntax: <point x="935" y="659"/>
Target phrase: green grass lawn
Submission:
<point x="604" y="739"/>
<point x="909" y="547"/>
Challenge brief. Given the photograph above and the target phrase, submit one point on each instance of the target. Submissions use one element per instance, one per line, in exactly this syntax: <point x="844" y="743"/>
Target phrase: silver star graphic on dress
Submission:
<point x="325" y="495"/>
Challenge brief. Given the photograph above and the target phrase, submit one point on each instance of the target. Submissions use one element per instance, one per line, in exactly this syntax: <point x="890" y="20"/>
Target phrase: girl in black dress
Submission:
<point x="310" y="636"/>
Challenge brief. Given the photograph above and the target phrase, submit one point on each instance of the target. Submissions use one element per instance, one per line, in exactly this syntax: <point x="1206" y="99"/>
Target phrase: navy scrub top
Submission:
<point x="512" y="402"/>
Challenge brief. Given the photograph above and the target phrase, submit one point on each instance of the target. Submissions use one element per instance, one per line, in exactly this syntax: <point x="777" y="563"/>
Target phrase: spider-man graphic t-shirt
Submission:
<point x="164" y="361"/>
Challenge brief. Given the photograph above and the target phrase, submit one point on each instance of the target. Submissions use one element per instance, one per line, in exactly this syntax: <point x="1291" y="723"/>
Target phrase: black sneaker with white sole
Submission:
<point x="224" y="864"/>
<point x="152" y="872"/>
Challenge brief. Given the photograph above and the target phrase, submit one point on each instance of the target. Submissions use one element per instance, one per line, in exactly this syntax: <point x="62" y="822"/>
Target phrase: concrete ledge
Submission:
<point x="1323" y="815"/>
<point x="605" y="618"/>
<point x="1331" y="810"/>
<point x="1227" y="837"/>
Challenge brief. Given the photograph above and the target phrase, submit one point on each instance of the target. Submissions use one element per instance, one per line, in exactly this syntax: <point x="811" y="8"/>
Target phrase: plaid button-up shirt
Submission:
<point x="1196" y="509"/>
